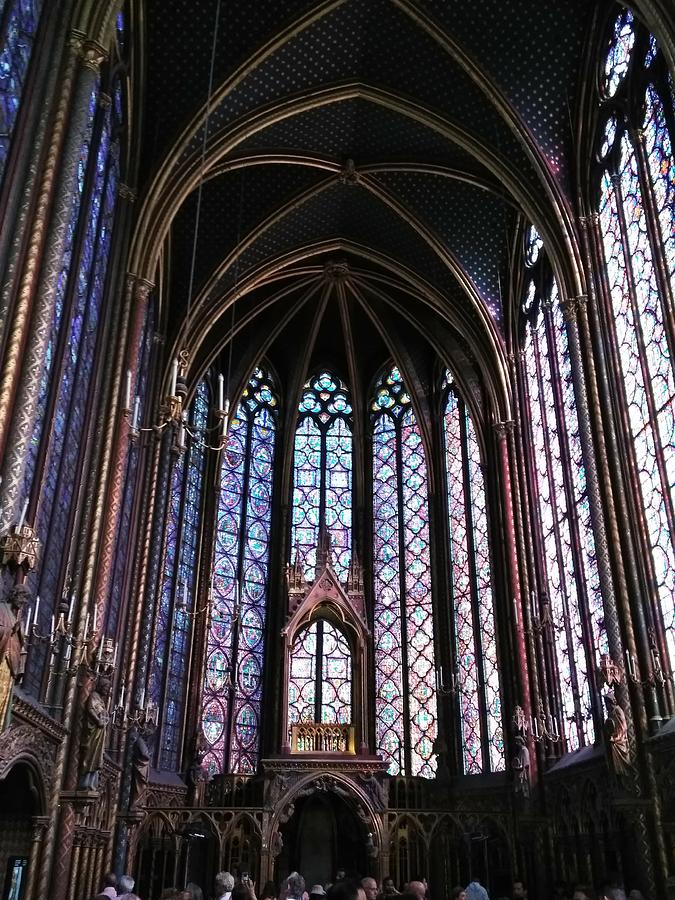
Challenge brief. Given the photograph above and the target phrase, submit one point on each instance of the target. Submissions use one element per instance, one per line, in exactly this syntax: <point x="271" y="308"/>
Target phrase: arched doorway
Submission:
<point x="19" y="803"/>
<point x="322" y="836"/>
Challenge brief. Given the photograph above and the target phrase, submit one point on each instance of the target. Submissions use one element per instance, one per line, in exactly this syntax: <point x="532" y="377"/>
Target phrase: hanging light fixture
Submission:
<point x="172" y="407"/>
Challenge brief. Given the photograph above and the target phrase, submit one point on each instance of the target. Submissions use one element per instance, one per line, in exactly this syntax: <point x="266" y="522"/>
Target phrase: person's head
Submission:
<point x="388" y="886"/>
<point x="346" y="890"/>
<point x="125" y="884"/>
<point x="193" y="891"/>
<point x="635" y="895"/>
<point x="171" y="893"/>
<point x="224" y="883"/>
<point x="241" y="891"/>
<point x="458" y="893"/>
<point x="294" y="886"/>
<point x="110" y="880"/>
<point x="581" y="892"/>
<point x="418" y="888"/>
<point x="269" y="891"/>
<point x="317" y="892"/>
<point x="519" y="891"/>
<point x="613" y="893"/>
<point x="369" y="886"/>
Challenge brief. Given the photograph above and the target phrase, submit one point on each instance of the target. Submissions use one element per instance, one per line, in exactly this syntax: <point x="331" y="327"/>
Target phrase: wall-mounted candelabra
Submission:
<point x="446" y="688"/>
<point x="144" y="716"/>
<point x="658" y="677"/>
<point x="544" y="727"/>
<point x="172" y="410"/>
<point x="61" y="637"/>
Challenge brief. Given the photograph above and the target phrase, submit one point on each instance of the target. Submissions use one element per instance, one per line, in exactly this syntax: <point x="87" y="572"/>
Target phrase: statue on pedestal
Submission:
<point x="11" y="648"/>
<point x="616" y="736"/>
<point x="92" y="743"/>
<point x="140" y="760"/>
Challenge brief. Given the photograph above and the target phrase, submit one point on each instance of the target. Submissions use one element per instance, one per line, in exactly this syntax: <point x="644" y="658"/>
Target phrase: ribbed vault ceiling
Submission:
<point x="401" y="139"/>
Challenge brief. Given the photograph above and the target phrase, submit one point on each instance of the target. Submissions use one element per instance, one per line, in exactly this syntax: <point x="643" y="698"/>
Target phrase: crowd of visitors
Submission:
<point x="227" y="887"/>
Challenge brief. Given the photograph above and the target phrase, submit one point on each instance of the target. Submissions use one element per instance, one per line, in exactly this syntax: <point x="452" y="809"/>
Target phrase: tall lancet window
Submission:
<point x="471" y="589"/>
<point x="637" y="222"/>
<point x="406" y="716"/>
<point x="322" y="492"/>
<point x="173" y="623"/>
<point x="236" y="641"/>
<point x="568" y="582"/>
<point x="19" y="20"/>
<point x="57" y="453"/>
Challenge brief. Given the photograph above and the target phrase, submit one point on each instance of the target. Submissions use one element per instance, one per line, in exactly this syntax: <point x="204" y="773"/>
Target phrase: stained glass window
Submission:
<point x="637" y="221"/>
<point x="72" y="348"/>
<point x="471" y="591"/>
<point x="569" y="592"/>
<point x="232" y="695"/>
<point x="173" y="625"/>
<point x="406" y="715"/>
<point x="322" y="493"/>
<point x="320" y="680"/>
<point x="19" y="23"/>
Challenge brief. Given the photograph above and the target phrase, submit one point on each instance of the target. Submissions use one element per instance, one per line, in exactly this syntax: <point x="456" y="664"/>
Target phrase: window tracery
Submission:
<point x="637" y="223"/>
<point x="406" y="709"/>
<point x="19" y="23"/>
<point x="173" y="625"/>
<point x="232" y="698"/>
<point x="320" y="678"/>
<point x="471" y="590"/>
<point x="569" y="585"/>
<point x="322" y="492"/>
<point x="56" y="455"/>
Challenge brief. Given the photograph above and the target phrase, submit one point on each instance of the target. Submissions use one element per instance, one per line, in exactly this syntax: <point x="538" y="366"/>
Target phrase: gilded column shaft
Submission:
<point x="146" y="594"/>
<point x="503" y="430"/>
<point x="16" y="221"/>
<point x="14" y="438"/>
<point x="117" y="437"/>
<point x="570" y="310"/>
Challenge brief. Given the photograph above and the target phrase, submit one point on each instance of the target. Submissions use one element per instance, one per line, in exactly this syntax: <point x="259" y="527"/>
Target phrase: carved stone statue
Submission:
<point x="92" y="743"/>
<point x="11" y="648"/>
<point x="520" y="761"/>
<point x="616" y="736"/>
<point x="197" y="773"/>
<point x="140" y="761"/>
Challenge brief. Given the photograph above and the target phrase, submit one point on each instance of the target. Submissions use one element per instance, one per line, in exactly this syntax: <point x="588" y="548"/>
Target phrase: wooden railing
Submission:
<point x="313" y="737"/>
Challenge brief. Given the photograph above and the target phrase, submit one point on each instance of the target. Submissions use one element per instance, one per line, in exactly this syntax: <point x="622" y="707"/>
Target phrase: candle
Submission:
<point x="37" y="608"/>
<point x="127" y="391"/>
<point x="53" y="631"/>
<point x="185" y="594"/>
<point x="93" y="627"/>
<point x="70" y="608"/>
<point x="181" y="435"/>
<point x="629" y="663"/>
<point x="24" y="510"/>
<point x="174" y="376"/>
<point x="114" y="662"/>
<point x="141" y="702"/>
<point x="86" y="626"/>
<point x="221" y="392"/>
<point x="121" y="700"/>
<point x="69" y="649"/>
<point x="28" y="618"/>
<point x="137" y="413"/>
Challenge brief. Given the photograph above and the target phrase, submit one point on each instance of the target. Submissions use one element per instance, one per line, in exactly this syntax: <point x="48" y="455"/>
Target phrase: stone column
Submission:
<point x="570" y="308"/>
<point x="22" y="370"/>
<point x="504" y="431"/>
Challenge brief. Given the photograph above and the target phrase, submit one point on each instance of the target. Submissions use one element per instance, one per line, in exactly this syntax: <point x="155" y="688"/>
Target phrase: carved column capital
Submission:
<point x="571" y="306"/>
<point x="93" y="55"/>
<point x="502" y="429"/>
